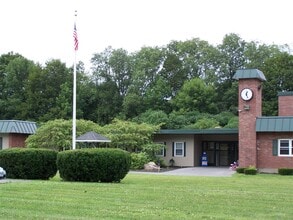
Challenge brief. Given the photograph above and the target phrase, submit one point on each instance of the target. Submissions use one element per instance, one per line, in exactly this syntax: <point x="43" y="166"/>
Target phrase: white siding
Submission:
<point x="186" y="161"/>
<point x="5" y="140"/>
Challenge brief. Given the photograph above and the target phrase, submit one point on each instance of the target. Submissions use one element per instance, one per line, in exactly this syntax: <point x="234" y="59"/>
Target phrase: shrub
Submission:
<point x="250" y="170"/>
<point x="161" y="162"/>
<point x="94" y="165"/>
<point x="240" y="169"/>
<point x="57" y="134"/>
<point x="27" y="163"/>
<point x="138" y="160"/>
<point x="172" y="162"/>
<point x="285" y="171"/>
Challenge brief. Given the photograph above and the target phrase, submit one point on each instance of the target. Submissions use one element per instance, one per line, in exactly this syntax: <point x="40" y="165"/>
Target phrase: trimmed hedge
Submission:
<point x="240" y="169"/>
<point x="94" y="165"/>
<point x="29" y="163"/>
<point x="285" y="171"/>
<point x="250" y="171"/>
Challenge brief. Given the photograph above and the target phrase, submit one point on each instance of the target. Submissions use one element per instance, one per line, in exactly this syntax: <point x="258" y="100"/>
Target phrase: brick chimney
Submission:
<point x="285" y="100"/>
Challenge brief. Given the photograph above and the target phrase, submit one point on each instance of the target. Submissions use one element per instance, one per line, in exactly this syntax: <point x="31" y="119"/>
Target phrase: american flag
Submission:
<point x="75" y="38"/>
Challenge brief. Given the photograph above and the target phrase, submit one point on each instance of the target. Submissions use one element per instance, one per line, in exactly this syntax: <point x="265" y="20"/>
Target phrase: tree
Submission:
<point x="35" y="100"/>
<point x="256" y="54"/>
<point x="224" y="118"/>
<point x="157" y="95"/>
<point x="198" y="58"/>
<point x="278" y="72"/>
<point x="147" y="64"/>
<point x="172" y="71"/>
<point x="14" y="87"/>
<point x="195" y="95"/>
<point x="233" y="122"/>
<point x="112" y="75"/>
<point x="109" y="102"/>
<point x="63" y="104"/>
<point x="100" y="66"/>
<point x="113" y="65"/>
<point x="178" y="120"/>
<point x="86" y="92"/>
<point x="121" y="70"/>
<point x="45" y="87"/>
<point x="148" y="86"/>
<point x="4" y="61"/>
<point x="204" y="123"/>
<point x="127" y="85"/>
<point x="132" y="105"/>
<point x="153" y="117"/>
<point x="232" y="50"/>
<point x="232" y="58"/>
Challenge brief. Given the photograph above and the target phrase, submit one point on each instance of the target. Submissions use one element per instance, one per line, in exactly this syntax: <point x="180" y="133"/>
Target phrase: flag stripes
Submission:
<point x="75" y="38"/>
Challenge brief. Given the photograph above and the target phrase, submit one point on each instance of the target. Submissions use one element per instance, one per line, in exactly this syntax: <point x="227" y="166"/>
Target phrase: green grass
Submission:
<point x="144" y="196"/>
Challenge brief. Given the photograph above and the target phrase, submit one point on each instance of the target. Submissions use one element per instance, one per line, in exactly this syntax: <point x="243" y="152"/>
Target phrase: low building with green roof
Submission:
<point x="265" y="142"/>
<point x="13" y="133"/>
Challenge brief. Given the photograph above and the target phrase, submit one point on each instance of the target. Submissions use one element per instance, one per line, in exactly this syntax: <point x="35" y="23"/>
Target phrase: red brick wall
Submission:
<point x="17" y="140"/>
<point x="285" y="105"/>
<point x="265" y="151"/>
<point x="247" y="120"/>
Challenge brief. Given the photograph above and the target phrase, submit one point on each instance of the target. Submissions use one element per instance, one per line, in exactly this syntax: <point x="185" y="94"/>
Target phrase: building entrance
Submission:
<point x="220" y="153"/>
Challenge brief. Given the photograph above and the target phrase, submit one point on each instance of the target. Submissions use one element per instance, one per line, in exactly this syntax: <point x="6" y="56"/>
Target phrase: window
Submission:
<point x="179" y="149"/>
<point x="285" y="147"/>
<point x="162" y="151"/>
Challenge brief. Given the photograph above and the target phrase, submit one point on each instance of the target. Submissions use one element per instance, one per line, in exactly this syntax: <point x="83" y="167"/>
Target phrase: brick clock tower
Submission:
<point x="249" y="107"/>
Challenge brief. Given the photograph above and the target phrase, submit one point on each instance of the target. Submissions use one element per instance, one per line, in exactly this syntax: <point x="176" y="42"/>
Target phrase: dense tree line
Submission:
<point x="175" y="85"/>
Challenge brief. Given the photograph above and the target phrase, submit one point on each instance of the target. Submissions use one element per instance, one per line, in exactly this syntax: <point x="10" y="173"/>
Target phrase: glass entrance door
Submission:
<point x="220" y="153"/>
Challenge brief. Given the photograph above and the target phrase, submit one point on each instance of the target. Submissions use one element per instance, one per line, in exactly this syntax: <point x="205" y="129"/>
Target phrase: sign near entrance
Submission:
<point x="204" y="159"/>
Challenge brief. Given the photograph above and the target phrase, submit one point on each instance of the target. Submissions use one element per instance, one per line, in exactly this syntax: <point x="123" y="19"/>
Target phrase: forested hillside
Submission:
<point x="184" y="84"/>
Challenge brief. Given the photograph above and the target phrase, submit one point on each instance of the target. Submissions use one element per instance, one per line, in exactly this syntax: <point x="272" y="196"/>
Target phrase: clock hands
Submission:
<point x="246" y="94"/>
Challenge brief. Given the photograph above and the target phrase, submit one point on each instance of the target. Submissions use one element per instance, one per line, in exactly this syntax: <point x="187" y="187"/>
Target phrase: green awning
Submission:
<point x="274" y="124"/>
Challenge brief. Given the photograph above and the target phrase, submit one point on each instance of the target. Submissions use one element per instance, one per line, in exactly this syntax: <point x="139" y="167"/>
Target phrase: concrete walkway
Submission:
<point x="190" y="171"/>
<point x="11" y="180"/>
<point x="194" y="171"/>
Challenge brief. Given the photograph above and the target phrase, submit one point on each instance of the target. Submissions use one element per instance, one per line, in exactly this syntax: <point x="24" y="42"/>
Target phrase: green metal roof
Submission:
<point x="199" y="131"/>
<point x="249" y="74"/>
<point x="274" y="124"/>
<point x="15" y="126"/>
<point x="285" y="93"/>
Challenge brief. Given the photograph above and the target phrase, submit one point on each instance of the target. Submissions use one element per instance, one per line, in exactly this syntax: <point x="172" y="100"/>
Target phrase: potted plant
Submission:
<point x="171" y="162"/>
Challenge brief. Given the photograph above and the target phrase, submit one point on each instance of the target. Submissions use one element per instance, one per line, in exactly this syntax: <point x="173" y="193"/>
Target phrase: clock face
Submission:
<point x="246" y="94"/>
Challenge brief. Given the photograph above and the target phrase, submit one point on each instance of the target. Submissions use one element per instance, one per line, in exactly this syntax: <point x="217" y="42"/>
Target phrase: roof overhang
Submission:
<point x="92" y="141"/>
<point x="92" y="137"/>
<point x="215" y="131"/>
<point x="17" y="126"/>
<point x="274" y="124"/>
<point x="249" y="74"/>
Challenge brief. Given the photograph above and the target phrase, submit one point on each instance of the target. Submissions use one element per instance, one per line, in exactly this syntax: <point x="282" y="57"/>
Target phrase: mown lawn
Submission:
<point x="145" y="196"/>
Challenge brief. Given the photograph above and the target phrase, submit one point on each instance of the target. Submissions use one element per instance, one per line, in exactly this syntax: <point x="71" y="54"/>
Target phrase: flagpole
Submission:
<point x="74" y="87"/>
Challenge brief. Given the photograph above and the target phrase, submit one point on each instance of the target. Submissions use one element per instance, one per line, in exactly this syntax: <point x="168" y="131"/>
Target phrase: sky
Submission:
<point x="41" y="30"/>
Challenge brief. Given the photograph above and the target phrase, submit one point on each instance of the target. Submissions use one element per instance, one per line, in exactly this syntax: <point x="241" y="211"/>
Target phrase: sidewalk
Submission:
<point x="194" y="171"/>
<point x="11" y="180"/>
<point x="189" y="171"/>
